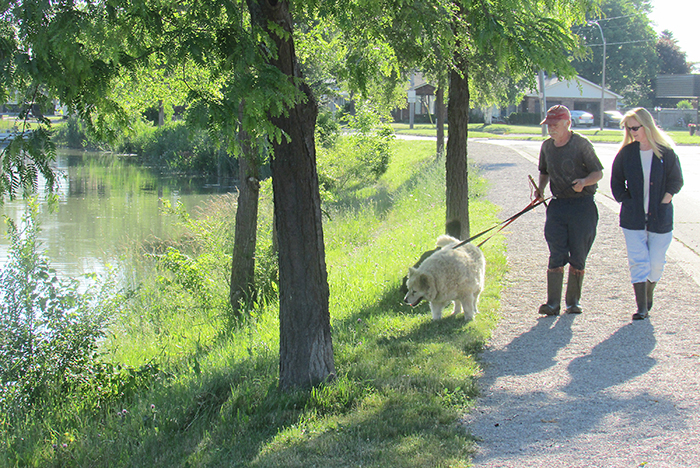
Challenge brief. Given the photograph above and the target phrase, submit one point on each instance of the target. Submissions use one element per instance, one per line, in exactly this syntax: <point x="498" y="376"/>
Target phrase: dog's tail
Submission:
<point x="445" y="240"/>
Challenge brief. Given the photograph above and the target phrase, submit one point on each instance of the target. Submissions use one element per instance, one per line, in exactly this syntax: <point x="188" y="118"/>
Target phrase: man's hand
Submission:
<point x="538" y="191"/>
<point x="592" y="178"/>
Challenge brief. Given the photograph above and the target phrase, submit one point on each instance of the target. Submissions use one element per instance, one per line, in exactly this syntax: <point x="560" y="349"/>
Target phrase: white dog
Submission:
<point x="448" y="275"/>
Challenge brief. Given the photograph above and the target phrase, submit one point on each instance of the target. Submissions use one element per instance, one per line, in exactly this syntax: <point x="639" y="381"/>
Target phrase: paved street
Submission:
<point x="686" y="248"/>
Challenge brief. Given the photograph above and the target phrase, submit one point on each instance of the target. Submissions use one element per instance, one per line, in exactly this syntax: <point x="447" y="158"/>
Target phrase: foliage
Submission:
<point x="358" y="158"/>
<point x="327" y="128"/>
<point x="684" y="104"/>
<point x="28" y="153"/>
<point x="672" y="60"/>
<point x="524" y="118"/>
<point x="108" y="63"/>
<point x="175" y="147"/>
<point x="193" y="263"/>
<point x="632" y="61"/>
<point x="71" y="134"/>
<point x="49" y="326"/>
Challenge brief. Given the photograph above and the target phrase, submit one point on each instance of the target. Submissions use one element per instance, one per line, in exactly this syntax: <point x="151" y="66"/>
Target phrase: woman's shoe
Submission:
<point x="640" y="295"/>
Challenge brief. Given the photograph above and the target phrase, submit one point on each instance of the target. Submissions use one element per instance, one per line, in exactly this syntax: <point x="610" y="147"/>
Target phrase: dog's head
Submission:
<point x="420" y="286"/>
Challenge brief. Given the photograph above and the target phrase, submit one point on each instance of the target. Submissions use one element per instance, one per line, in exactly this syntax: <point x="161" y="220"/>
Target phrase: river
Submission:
<point x="105" y="203"/>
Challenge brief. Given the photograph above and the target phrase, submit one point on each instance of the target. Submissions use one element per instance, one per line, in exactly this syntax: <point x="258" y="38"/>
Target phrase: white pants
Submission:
<point x="646" y="254"/>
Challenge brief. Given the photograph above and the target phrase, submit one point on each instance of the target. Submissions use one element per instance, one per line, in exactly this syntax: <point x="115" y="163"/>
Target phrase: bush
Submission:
<point x="73" y="134"/>
<point x="327" y="129"/>
<point x="49" y="328"/>
<point x="524" y="118"/>
<point x="170" y="148"/>
<point x="175" y="147"/>
<point x="359" y="158"/>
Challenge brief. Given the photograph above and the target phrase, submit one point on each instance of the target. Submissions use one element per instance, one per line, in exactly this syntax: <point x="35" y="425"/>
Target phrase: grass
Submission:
<point x="522" y="132"/>
<point x="209" y="397"/>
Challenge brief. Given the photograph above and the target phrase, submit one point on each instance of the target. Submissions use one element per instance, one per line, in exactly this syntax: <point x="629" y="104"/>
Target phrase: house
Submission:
<point x="420" y="100"/>
<point x="576" y="94"/>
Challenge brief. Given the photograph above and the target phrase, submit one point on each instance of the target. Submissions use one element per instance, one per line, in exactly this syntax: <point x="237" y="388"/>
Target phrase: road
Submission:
<point x="686" y="233"/>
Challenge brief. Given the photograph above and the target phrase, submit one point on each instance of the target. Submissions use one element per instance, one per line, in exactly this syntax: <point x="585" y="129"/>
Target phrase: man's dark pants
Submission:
<point x="570" y="230"/>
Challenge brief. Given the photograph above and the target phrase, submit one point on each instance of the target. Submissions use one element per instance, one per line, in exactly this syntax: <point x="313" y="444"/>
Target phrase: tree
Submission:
<point x="306" y="352"/>
<point x="243" y="256"/>
<point x="631" y="60"/>
<point x="467" y="43"/>
<point x="672" y="60"/>
<point x="77" y="51"/>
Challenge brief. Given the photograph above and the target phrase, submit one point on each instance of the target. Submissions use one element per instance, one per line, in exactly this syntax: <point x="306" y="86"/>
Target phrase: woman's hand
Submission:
<point x="666" y="199"/>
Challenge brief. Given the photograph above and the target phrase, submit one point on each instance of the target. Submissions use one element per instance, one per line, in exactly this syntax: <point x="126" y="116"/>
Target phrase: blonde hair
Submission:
<point x="657" y="138"/>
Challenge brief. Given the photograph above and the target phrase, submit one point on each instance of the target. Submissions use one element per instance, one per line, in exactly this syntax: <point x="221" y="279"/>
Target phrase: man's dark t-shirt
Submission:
<point x="575" y="160"/>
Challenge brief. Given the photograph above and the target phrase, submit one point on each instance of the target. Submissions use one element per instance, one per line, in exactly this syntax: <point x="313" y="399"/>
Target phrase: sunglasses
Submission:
<point x="634" y="129"/>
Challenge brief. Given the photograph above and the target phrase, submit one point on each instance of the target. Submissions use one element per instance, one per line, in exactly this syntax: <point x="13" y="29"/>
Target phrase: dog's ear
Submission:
<point x="424" y="282"/>
<point x="411" y="271"/>
<point x="427" y="285"/>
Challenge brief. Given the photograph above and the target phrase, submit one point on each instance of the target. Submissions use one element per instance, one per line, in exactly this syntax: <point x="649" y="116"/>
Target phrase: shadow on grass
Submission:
<point x="396" y="402"/>
<point x="382" y="199"/>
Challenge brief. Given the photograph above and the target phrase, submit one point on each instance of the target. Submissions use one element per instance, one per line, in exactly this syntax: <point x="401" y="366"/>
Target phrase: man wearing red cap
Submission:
<point x="569" y="165"/>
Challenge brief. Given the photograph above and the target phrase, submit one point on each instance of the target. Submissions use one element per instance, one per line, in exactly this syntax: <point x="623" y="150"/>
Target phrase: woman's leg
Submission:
<point x="637" y="254"/>
<point x="658" y="246"/>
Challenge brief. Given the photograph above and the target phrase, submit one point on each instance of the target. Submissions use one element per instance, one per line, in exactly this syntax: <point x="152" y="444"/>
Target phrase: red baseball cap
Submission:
<point x="556" y="113"/>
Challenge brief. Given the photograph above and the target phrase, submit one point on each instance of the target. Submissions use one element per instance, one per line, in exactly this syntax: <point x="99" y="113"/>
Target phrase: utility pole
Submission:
<point x="543" y="103"/>
<point x="602" y="86"/>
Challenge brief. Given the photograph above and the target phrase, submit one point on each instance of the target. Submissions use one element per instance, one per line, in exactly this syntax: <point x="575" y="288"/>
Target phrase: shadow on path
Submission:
<point x="618" y="359"/>
<point x="546" y="338"/>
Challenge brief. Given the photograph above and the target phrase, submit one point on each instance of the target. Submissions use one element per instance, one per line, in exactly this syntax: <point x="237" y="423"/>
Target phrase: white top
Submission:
<point x="646" y="157"/>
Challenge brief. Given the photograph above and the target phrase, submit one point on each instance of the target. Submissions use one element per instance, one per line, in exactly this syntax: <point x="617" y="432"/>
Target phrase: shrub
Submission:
<point x="49" y="326"/>
<point x="524" y="118"/>
<point x="175" y="147"/>
<point x="327" y="129"/>
<point x="358" y="158"/>
<point x="171" y="148"/>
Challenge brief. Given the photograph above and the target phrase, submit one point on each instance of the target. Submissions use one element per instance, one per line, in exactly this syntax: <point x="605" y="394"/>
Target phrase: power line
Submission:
<point x="618" y="17"/>
<point x="581" y="26"/>
<point x="620" y="43"/>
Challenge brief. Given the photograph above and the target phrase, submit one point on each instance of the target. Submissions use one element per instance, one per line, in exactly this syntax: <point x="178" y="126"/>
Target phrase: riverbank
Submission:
<point x="187" y="386"/>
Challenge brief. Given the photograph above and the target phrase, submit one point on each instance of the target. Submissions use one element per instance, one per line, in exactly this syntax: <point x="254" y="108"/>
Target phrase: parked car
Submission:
<point x="579" y="117"/>
<point x="612" y="119"/>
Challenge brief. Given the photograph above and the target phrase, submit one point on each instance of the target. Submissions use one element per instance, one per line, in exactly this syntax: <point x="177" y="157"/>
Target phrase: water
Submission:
<point x="105" y="203"/>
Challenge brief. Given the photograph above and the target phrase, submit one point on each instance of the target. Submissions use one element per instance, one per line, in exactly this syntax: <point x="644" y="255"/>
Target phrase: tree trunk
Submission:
<point x="440" y="119"/>
<point x="161" y="113"/>
<point x="306" y="349"/>
<point x="243" y="261"/>
<point x="456" y="178"/>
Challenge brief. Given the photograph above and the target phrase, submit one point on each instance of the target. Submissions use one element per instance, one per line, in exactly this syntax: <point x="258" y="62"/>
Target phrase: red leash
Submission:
<point x="534" y="203"/>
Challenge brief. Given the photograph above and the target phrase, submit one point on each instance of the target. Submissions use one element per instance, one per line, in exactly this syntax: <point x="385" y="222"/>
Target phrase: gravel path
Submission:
<point x="595" y="390"/>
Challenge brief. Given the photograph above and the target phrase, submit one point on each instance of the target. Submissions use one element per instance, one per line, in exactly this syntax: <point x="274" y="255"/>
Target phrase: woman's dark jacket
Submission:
<point x="627" y="184"/>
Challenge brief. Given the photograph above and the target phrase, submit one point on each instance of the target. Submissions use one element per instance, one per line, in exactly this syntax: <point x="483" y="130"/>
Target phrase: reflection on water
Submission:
<point x="104" y="203"/>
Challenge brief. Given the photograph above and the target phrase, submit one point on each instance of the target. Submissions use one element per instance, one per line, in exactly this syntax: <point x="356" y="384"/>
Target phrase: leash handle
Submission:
<point x="536" y="188"/>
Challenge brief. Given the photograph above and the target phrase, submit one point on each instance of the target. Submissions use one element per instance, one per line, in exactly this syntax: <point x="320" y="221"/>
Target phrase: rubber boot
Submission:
<point x="640" y="294"/>
<point x="573" y="291"/>
<point x="555" y="278"/>
<point x="650" y="294"/>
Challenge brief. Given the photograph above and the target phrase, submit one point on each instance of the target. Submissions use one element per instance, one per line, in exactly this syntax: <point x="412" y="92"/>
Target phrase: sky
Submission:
<point x="682" y="18"/>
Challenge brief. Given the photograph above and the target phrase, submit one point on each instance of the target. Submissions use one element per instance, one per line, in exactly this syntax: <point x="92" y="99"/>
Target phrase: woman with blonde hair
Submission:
<point x="646" y="174"/>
